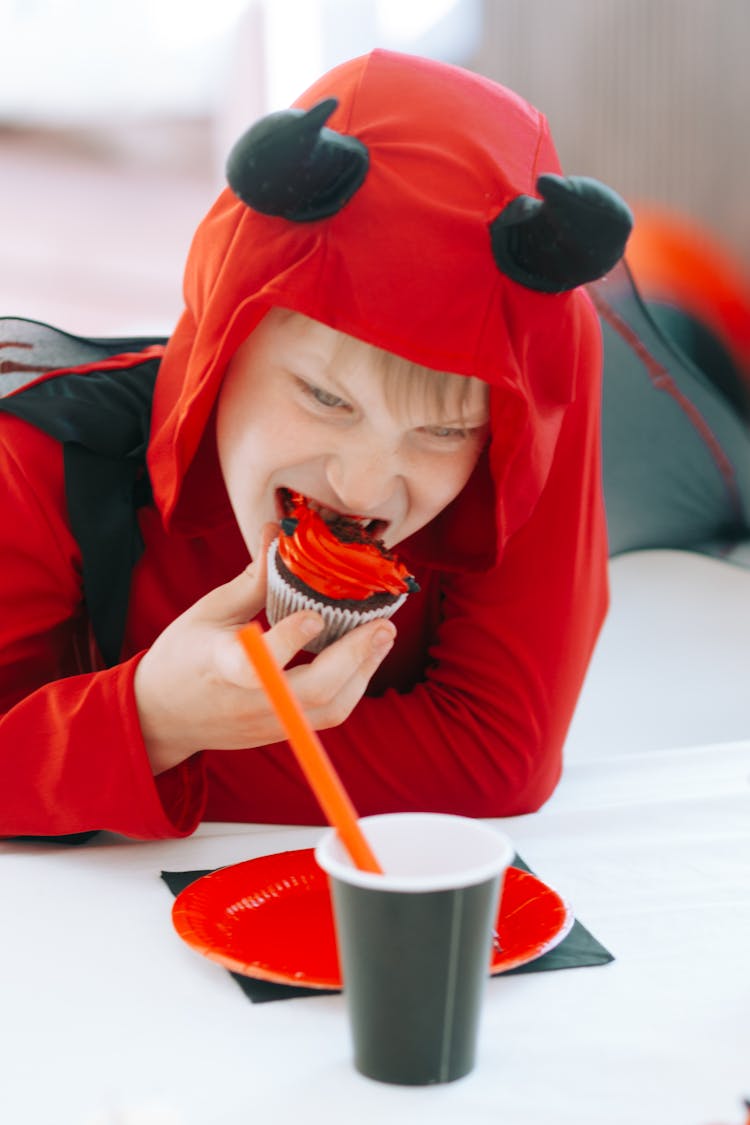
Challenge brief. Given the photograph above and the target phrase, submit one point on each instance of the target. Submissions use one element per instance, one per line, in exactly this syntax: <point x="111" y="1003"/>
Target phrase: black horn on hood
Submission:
<point x="289" y="164"/>
<point x="574" y="234"/>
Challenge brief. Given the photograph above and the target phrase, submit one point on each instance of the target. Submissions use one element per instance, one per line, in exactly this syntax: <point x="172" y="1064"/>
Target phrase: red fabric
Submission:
<point x="470" y="709"/>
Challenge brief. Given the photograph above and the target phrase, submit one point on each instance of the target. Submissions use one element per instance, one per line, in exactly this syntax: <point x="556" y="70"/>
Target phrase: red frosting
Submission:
<point x="340" y="570"/>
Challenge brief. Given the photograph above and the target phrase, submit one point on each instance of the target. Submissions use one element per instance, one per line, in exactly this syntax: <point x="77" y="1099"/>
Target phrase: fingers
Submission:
<point x="288" y="636"/>
<point x="330" y="686"/>
<point x="285" y="640"/>
<point x="333" y="684"/>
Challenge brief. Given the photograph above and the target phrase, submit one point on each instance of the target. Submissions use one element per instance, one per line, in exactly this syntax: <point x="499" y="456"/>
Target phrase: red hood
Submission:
<point x="406" y="265"/>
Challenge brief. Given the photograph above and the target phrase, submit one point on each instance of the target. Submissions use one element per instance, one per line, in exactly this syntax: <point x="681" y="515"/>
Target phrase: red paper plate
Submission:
<point x="271" y="918"/>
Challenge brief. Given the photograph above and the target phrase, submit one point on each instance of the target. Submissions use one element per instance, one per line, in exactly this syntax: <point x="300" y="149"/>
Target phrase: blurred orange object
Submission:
<point x="675" y="259"/>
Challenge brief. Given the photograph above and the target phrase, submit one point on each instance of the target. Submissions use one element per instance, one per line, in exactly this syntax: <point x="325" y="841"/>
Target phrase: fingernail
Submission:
<point x="382" y="641"/>
<point x="310" y="626"/>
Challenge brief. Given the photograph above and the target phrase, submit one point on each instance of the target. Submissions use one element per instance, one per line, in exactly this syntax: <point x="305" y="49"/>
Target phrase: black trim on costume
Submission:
<point x="102" y="419"/>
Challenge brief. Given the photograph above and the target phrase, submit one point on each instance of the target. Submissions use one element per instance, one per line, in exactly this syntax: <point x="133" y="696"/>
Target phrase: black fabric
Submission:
<point x="578" y="949"/>
<point x="72" y="838"/>
<point x="675" y="446"/>
<point x="289" y="164"/>
<point x="32" y="347"/>
<point x="703" y="348"/>
<point x="102" y="419"/>
<point x="576" y="233"/>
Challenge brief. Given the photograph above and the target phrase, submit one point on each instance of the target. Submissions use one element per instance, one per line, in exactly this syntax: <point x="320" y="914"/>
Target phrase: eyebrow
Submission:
<point x="465" y="423"/>
<point x="315" y="358"/>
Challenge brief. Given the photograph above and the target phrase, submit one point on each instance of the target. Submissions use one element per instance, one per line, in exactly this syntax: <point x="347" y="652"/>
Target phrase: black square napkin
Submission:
<point x="577" y="949"/>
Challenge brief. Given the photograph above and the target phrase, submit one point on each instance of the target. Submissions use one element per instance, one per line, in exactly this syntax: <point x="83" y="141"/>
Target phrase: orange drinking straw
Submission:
<point x="316" y="765"/>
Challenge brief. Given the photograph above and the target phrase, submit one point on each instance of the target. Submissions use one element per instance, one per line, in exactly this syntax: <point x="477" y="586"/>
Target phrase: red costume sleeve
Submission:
<point x="71" y="753"/>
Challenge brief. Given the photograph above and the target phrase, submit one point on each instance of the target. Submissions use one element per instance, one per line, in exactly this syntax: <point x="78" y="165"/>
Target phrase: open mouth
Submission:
<point x="287" y="500"/>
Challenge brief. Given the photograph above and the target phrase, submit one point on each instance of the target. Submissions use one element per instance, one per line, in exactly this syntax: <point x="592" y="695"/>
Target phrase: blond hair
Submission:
<point x="409" y="386"/>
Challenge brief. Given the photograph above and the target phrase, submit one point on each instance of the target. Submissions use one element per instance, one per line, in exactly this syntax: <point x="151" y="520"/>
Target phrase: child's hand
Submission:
<point x="196" y="690"/>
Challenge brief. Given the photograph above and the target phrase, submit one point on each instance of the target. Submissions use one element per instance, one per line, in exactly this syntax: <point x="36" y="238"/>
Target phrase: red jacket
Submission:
<point x="469" y="711"/>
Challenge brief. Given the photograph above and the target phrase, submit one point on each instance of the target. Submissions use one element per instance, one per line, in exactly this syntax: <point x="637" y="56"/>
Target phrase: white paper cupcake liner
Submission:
<point x="282" y="599"/>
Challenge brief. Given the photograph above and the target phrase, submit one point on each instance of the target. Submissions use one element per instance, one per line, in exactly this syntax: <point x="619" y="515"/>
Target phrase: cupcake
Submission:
<point x="336" y="567"/>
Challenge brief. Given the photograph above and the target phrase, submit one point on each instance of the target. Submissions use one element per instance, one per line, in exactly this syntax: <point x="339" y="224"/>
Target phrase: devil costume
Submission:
<point x="419" y="208"/>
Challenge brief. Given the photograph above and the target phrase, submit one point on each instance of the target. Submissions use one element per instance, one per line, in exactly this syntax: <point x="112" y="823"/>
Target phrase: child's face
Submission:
<point x="298" y="411"/>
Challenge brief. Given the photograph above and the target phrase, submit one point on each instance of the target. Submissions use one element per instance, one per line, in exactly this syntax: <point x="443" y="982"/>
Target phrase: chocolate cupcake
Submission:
<point x="336" y="568"/>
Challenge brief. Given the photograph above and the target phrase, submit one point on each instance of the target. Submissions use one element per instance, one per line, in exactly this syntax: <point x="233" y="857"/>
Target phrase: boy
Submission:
<point x="407" y="216"/>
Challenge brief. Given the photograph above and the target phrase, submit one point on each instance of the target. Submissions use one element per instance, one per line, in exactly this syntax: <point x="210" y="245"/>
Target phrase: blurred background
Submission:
<point x="116" y="117"/>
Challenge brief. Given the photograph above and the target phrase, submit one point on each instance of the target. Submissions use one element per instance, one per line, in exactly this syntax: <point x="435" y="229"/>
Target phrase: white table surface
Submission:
<point x="672" y="664"/>
<point x="108" y="1017"/>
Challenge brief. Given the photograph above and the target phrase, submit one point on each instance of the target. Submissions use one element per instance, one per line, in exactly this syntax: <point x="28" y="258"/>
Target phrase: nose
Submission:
<point x="362" y="479"/>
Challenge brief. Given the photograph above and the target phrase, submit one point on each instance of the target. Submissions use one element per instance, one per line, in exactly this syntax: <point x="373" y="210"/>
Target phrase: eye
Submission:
<point x="454" y="433"/>
<point x="453" y="439"/>
<point x="323" y="397"/>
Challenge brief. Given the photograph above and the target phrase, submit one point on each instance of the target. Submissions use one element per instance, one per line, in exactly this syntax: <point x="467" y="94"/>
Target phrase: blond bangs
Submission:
<point x="412" y="390"/>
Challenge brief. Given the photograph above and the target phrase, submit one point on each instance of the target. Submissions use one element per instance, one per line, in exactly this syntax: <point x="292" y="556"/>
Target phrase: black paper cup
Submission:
<point x="415" y="943"/>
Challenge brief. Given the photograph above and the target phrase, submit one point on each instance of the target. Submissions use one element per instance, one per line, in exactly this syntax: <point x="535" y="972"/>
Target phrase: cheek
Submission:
<point x="242" y="449"/>
<point x="245" y="447"/>
<point x="253" y="459"/>
<point x="232" y="448"/>
<point x="441" y="481"/>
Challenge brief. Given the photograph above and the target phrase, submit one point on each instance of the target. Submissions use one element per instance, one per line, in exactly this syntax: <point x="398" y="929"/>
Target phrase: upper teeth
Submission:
<point x="330" y="514"/>
<point x="326" y="513"/>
